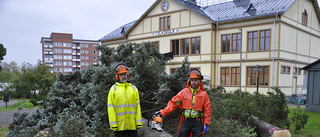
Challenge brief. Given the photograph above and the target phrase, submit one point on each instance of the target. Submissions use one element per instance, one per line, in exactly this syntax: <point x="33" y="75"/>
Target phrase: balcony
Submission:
<point x="78" y="48"/>
<point x="79" y="54"/>
<point x="76" y="60"/>
<point x="51" y="65"/>
<point x="74" y="53"/>
<point x="79" y="66"/>
<point x="48" y="52"/>
<point x="48" y="46"/>
<point x="74" y="47"/>
<point x="74" y="66"/>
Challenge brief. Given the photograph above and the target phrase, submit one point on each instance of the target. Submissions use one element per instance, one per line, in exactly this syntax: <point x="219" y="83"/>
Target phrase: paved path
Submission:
<point x="6" y="117"/>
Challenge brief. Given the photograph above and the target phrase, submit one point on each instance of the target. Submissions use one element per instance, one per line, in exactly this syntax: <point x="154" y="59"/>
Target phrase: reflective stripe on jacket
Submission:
<point x="201" y="102"/>
<point x="124" y="110"/>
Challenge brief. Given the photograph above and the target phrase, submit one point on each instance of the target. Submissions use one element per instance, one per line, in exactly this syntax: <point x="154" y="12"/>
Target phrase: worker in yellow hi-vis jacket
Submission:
<point x="124" y="110"/>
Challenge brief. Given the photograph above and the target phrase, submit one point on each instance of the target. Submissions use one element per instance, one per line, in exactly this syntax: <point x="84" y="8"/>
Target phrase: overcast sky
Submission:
<point x="24" y="22"/>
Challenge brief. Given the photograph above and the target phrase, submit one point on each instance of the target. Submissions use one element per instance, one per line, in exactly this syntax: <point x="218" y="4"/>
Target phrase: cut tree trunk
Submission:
<point x="265" y="129"/>
<point x="148" y="132"/>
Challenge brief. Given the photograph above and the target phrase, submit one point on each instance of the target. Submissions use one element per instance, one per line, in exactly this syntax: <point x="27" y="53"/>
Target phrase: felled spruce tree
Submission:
<point x="77" y="102"/>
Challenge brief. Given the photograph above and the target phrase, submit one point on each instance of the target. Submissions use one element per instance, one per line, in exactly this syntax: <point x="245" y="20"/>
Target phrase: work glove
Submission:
<point x="205" y="128"/>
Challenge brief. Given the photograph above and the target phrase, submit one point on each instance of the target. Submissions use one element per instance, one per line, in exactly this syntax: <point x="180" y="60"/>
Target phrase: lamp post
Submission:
<point x="257" y="69"/>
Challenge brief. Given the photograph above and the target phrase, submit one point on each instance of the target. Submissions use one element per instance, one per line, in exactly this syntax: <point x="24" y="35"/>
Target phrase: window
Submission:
<point x="57" y="50"/>
<point x="81" y="57"/>
<point x="74" y="51"/>
<point x="172" y="70"/>
<point x="82" y="51"/>
<point x="175" y="47"/>
<point x="236" y="42"/>
<point x="264" y="40"/>
<point x="86" y="57"/>
<point x="81" y="45"/>
<point x="184" y="47"/>
<point x="57" y="56"/>
<point x="57" y="44"/>
<point x="82" y="63"/>
<point x="67" y="63"/>
<point x="253" y="41"/>
<point x="74" y="45"/>
<point x="57" y="69"/>
<point x="94" y="58"/>
<point x="262" y="74"/>
<point x="67" y="70"/>
<point x="234" y="76"/>
<point x="86" y="51"/>
<point x="87" y="64"/>
<point x="74" y="63"/>
<point x="165" y="23"/>
<point x="67" y="57"/>
<point x="94" y="46"/>
<point x="225" y="43"/>
<point x="285" y="69"/>
<point x="195" y="45"/>
<point x="296" y="70"/>
<point x="225" y="76"/>
<point x="67" y="44"/>
<point x="305" y="17"/>
<point x="59" y="63"/>
<point x="67" y="50"/>
<point x="155" y="44"/>
<point x="94" y="52"/>
<point x="86" y="45"/>
<point x="74" y="57"/>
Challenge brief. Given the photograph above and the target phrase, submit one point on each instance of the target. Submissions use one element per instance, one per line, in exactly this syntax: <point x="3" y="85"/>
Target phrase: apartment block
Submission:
<point x="65" y="54"/>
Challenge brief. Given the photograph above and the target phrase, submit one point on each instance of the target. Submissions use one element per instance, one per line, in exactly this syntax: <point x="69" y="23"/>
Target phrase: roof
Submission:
<point x="311" y="65"/>
<point x="235" y="10"/>
<point x="222" y="12"/>
<point x="118" y="33"/>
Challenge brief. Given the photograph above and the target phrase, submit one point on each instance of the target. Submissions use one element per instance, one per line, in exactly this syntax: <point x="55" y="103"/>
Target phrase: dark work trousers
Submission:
<point x="189" y="125"/>
<point x="126" y="133"/>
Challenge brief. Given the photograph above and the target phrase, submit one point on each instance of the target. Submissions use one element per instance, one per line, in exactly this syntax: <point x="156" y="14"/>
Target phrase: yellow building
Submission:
<point x="240" y="41"/>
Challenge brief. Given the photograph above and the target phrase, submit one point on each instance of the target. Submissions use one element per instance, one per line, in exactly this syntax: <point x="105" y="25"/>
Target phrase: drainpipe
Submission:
<point x="240" y="58"/>
<point x="217" y="54"/>
<point x="274" y="45"/>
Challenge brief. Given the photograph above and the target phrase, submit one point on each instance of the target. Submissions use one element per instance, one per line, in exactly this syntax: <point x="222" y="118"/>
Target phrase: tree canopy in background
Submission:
<point x="3" y="52"/>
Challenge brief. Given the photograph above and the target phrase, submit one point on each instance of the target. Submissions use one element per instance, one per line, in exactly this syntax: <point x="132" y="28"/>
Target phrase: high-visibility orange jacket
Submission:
<point x="184" y="98"/>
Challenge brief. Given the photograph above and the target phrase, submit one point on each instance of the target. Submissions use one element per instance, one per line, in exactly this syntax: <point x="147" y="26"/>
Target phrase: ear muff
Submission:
<point x="117" y="77"/>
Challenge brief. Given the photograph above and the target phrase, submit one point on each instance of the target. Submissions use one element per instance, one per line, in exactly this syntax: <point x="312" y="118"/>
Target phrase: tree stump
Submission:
<point x="265" y="129"/>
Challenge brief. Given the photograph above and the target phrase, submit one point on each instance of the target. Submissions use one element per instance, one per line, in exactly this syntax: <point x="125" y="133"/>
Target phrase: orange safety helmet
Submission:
<point x="195" y="73"/>
<point x="121" y="68"/>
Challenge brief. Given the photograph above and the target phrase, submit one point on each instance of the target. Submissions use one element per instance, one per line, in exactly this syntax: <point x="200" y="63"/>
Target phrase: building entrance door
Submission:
<point x="294" y="85"/>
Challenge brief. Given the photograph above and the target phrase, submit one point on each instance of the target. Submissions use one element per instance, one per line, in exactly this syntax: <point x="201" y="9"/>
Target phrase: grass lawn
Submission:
<point x="3" y="130"/>
<point x="312" y="129"/>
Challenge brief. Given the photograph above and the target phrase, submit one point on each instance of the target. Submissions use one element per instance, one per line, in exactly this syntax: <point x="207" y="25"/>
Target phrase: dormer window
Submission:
<point x="251" y="8"/>
<point x="305" y="18"/>
<point x="122" y="30"/>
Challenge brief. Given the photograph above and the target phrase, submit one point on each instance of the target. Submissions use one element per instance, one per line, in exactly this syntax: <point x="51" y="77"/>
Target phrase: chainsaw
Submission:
<point x="156" y="122"/>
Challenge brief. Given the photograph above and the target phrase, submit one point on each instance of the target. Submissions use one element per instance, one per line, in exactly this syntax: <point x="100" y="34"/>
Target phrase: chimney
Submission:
<point x="192" y="1"/>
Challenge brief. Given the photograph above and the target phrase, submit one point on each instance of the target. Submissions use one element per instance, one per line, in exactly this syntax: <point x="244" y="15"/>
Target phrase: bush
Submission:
<point x="33" y="101"/>
<point x="299" y="119"/>
<point x="24" y="104"/>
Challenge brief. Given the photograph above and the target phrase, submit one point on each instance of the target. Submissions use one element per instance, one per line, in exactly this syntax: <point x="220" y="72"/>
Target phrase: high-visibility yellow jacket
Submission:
<point x="124" y="110"/>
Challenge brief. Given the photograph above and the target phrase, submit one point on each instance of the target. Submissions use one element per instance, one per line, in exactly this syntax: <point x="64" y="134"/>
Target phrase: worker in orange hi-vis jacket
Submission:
<point x="195" y="107"/>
